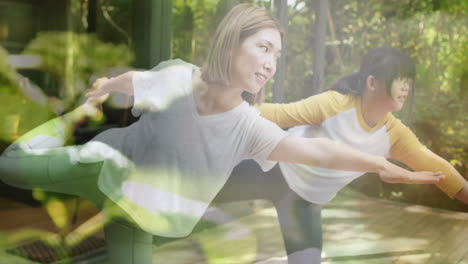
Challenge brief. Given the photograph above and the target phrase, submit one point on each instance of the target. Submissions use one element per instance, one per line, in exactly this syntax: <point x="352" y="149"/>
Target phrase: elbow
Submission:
<point x="462" y="195"/>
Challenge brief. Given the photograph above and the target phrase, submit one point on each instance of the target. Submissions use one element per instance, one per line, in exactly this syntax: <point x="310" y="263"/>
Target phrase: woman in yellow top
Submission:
<point x="357" y="111"/>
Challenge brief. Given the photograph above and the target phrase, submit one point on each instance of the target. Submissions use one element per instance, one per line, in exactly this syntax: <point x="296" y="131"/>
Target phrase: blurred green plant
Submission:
<point x="72" y="58"/>
<point x="7" y="74"/>
<point x="18" y="113"/>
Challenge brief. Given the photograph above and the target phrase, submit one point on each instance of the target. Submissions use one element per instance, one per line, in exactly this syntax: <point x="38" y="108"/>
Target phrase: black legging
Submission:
<point x="300" y="220"/>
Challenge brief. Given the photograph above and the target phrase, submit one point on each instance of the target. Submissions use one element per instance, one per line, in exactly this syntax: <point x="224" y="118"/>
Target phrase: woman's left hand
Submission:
<point x="394" y="174"/>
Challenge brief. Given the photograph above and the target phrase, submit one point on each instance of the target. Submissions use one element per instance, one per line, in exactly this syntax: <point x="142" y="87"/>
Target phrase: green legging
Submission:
<point x="55" y="173"/>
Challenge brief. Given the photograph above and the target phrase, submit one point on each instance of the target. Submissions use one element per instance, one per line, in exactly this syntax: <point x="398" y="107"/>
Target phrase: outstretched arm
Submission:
<point x="406" y="148"/>
<point x="324" y="153"/>
<point x="102" y="86"/>
<point x="151" y="89"/>
<point x="454" y="185"/>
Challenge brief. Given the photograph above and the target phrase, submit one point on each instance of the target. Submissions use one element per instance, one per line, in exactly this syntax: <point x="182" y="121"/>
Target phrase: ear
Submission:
<point x="371" y="83"/>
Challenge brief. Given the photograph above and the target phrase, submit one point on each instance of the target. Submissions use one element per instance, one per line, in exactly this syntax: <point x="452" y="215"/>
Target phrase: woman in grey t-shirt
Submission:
<point x="160" y="173"/>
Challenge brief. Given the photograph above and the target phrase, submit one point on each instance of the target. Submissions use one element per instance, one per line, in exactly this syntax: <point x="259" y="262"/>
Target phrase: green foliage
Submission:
<point x="19" y="114"/>
<point x="193" y="26"/>
<point x="7" y="74"/>
<point x="72" y="58"/>
<point x="183" y="20"/>
<point x="117" y="26"/>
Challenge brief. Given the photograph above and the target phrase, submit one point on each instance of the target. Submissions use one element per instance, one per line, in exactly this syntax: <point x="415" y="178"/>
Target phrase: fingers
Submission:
<point x="97" y="94"/>
<point x="406" y="177"/>
<point x="96" y="90"/>
<point x="425" y="177"/>
<point x="97" y="100"/>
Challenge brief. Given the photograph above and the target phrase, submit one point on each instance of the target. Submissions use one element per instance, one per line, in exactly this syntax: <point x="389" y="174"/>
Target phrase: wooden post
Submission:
<point x="91" y="17"/>
<point x="152" y="25"/>
<point x="321" y="12"/>
<point x="280" y="76"/>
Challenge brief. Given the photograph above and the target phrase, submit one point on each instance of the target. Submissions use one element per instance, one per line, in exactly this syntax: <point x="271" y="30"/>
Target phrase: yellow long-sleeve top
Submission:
<point x="339" y="117"/>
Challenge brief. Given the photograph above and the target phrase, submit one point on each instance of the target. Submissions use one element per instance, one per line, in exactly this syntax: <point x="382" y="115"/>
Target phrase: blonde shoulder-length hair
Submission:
<point x="241" y="22"/>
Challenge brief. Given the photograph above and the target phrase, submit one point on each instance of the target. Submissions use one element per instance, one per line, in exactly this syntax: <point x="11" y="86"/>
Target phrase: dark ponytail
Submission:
<point x="352" y="84"/>
<point x="384" y="63"/>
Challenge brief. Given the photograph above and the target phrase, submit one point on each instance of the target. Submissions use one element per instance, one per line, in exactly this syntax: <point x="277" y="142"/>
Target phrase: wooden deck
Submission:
<point x="357" y="229"/>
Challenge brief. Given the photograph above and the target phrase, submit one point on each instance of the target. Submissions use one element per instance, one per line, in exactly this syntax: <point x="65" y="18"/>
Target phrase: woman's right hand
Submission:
<point x="98" y="90"/>
<point x="94" y="98"/>
<point x="392" y="173"/>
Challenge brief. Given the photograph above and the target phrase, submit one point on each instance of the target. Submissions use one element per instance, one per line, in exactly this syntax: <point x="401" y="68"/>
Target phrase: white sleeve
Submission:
<point x="148" y="90"/>
<point x="264" y="137"/>
<point x="155" y="89"/>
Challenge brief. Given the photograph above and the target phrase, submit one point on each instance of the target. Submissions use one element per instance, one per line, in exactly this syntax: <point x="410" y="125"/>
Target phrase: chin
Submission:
<point x="253" y="90"/>
<point x="397" y="108"/>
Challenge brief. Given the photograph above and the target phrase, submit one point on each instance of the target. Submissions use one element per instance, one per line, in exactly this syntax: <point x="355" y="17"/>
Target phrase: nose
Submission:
<point x="406" y="86"/>
<point x="270" y="64"/>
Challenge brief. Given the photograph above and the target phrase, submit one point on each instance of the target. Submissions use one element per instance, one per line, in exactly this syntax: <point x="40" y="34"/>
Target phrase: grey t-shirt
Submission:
<point x="180" y="159"/>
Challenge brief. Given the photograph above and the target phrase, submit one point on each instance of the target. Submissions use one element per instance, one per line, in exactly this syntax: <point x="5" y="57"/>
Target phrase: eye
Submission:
<point x="265" y="48"/>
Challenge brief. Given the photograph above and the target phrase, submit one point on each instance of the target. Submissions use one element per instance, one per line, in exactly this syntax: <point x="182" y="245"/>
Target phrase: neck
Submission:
<point x="372" y="110"/>
<point x="214" y="99"/>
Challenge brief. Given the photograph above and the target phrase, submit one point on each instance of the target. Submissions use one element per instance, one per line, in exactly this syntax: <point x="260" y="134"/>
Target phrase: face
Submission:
<point x="400" y="91"/>
<point x="255" y="60"/>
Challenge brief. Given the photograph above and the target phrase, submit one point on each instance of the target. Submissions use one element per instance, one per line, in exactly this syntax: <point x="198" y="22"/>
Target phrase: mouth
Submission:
<point x="261" y="78"/>
<point x="402" y="98"/>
